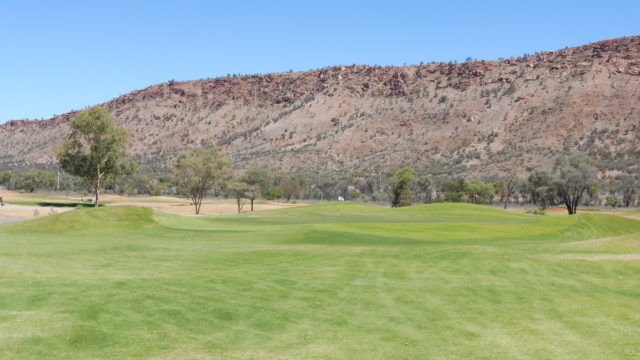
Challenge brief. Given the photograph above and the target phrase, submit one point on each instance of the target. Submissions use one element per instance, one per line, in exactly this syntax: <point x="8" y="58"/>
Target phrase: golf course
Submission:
<point x="323" y="281"/>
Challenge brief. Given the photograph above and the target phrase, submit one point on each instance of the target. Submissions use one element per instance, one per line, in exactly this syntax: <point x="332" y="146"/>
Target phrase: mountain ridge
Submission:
<point x="469" y="116"/>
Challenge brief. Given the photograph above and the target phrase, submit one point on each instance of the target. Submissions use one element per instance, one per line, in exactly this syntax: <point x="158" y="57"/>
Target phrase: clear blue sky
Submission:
<point x="64" y="55"/>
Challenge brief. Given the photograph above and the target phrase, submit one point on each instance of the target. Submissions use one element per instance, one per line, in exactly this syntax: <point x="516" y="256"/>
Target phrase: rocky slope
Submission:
<point x="459" y="117"/>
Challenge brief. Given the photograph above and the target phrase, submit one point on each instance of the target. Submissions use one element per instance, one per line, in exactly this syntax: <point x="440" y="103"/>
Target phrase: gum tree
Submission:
<point x="196" y="172"/>
<point x="575" y="175"/>
<point x="94" y="149"/>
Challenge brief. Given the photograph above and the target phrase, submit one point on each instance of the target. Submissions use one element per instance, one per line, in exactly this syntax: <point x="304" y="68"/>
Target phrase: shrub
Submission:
<point x="272" y="194"/>
<point x="453" y="197"/>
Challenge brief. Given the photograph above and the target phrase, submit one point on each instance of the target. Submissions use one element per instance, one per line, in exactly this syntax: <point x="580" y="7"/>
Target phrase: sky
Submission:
<point x="57" y="56"/>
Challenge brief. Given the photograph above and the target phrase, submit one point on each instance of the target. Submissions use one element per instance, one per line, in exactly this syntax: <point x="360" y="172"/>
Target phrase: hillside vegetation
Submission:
<point x="454" y="118"/>
<point x="334" y="280"/>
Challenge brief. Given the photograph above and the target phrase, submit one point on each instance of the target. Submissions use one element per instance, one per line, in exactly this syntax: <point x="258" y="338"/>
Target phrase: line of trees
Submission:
<point x="94" y="159"/>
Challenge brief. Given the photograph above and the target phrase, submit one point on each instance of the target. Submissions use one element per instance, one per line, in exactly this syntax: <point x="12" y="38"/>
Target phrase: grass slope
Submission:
<point x="445" y="281"/>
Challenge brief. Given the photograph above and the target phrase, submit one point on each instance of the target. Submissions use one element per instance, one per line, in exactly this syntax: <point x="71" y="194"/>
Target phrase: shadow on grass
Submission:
<point x="55" y="204"/>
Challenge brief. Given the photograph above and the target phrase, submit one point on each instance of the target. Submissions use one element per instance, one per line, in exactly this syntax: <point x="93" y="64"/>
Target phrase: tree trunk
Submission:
<point x="252" y="204"/>
<point x="197" y="202"/>
<point x="238" y="201"/>
<point x="567" y="203"/>
<point x="97" y="191"/>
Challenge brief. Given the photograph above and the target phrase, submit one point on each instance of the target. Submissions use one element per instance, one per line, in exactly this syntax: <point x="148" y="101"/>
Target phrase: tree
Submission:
<point x="290" y="186"/>
<point x="453" y="186"/>
<point x="31" y="180"/>
<point x="116" y="179"/>
<point x="94" y="149"/>
<point x="5" y="178"/>
<point x="272" y="194"/>
<point x="538" y="185"/>
<point x="575" y="175"/>
<point x="627" y="185"/>
<point x="196" y="172"/>
<point x="237" y="190"/>
<point x="403" y="187"/>
<point x="425" y="187"/>
<point x="509" y="181"/>
<point x="258" y="180"/>
<point x="477" y="190"/>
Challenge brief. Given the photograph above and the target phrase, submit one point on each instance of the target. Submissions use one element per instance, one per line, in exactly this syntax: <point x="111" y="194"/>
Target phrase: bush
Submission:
<point x="378" y="196"/>
<point x="318" y="194"/>
<point x="613" y="202"/>
<point x="453" y="197"/>
<point x="273" y="194"/>
<point x="31" y="180"/>
<point x="358" y="196"/>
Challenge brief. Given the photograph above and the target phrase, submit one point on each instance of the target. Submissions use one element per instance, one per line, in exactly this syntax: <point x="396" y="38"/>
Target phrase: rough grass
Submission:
<point x="348" y="281"/>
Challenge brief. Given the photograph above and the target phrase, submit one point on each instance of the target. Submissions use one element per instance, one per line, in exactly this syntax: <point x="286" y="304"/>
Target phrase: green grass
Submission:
<point x="327" y="281"/>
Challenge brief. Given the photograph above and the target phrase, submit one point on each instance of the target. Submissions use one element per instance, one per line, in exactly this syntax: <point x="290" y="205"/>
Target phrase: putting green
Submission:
<point x="345" y="281"/>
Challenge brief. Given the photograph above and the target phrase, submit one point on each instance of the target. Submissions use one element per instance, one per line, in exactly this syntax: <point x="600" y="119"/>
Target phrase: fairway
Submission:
<point x="325" y="281"/>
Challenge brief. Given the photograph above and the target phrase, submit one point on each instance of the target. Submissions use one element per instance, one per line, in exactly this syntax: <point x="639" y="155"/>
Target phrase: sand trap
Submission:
<point x="206" y="209"/>
<point x="10" y="212"/>
<point x="163" y="203"/>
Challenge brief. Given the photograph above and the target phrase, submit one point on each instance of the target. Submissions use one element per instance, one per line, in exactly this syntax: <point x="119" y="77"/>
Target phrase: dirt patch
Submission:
<point x="563" y="210"/>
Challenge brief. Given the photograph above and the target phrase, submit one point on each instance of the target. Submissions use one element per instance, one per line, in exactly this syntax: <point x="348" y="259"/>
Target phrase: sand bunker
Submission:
<point x="206" y="209"/>
<point x="11" y="213"/>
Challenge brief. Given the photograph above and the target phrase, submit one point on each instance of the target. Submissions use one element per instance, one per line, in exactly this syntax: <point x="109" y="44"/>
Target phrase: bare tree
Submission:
<point x="509" y="180"/>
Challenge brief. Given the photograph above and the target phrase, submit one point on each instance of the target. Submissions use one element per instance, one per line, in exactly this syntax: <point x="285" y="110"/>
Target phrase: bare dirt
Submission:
<point x="617" y="213"/>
